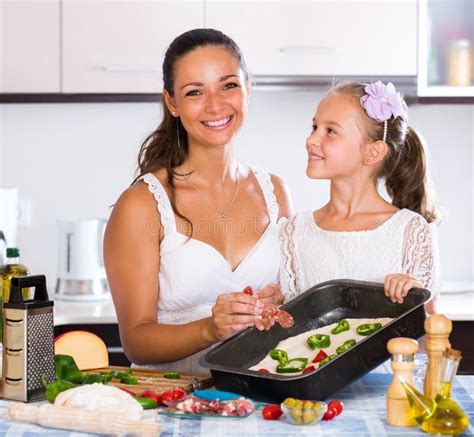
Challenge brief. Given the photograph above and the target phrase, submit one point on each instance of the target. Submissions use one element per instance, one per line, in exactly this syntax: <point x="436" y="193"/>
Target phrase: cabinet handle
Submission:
<point x="308" y="50"/>
<point x="132" y="68"/>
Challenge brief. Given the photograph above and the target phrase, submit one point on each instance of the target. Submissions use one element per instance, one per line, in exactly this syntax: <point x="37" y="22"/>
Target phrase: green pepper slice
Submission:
<point x="129" y="379"/>
<point x="342" y="326"/>
<point x="146" y="403"/>
<point x="368" y="328"/>
<point x="280" y="355"/>
<point x="96" y="377"/>
<point x="172" y="375"/>
<point x="292" y="366"/>
<point x="326" y="360"/>
<point x="55" y="387"/>
<point x="320" y="341"/>
<point x="345" y="346"/>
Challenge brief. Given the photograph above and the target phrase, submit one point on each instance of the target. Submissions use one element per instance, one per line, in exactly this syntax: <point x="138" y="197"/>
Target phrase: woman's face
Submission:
<point x="210" y="95"/>
<point x="334" y="145"/>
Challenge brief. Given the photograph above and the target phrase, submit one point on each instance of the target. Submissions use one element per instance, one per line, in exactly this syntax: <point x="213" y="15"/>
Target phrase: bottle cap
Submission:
<point x="454" y="353"/>
<point x="13" y="252"/>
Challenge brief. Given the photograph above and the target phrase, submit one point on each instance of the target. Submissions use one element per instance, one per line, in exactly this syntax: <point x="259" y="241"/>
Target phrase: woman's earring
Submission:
<point x="177" y="135"/>
<point x="367" y="161"/>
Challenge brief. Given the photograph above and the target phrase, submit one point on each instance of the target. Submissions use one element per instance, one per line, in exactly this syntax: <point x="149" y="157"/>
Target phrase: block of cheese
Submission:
<point x="87" y="349"/>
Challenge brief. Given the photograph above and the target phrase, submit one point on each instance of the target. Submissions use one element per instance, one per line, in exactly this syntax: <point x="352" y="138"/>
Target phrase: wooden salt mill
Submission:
<point x="437" y="327"/>
<point x="403" y="360"/>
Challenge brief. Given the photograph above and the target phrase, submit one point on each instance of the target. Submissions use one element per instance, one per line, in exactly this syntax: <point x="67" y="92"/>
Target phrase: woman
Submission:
<point x="197" y="226"/>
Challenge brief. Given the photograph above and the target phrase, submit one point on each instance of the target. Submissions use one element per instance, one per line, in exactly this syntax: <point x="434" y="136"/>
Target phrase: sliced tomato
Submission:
<point x="248" y="290"/>
<point x="320" y="356"/>
<point x="271" y="412"/>
<point x="309" y="369"/>
<point x="150" y="394"/>
<point x="263" y="371"/>
<point x="130" y="392"/>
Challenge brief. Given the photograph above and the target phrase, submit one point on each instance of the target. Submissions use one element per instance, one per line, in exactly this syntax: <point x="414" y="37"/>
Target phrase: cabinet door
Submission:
<point x="346" y="37"/>
<point x="118" y="46"/>
<point x="29" y="46"/>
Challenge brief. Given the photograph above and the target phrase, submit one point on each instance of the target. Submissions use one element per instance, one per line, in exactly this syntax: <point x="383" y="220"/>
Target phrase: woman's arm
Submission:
<point x="132" y="262"/>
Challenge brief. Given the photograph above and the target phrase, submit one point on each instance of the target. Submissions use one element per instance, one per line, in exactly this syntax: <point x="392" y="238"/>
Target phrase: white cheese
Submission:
<point x="100" y="397"/>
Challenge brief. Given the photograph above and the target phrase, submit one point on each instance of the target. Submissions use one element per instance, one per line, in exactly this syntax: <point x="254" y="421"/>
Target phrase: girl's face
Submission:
<point x="210" y="95"/>
<point x="335" y="143"/>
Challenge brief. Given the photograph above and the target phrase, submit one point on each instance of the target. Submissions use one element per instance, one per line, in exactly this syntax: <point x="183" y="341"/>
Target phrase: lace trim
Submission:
<point x="418" y="259"/>
<point x="174" y="317"/>
<point x="162" y="202"/>
<point x="290" y="271"/>
<point x="266" y="184"/>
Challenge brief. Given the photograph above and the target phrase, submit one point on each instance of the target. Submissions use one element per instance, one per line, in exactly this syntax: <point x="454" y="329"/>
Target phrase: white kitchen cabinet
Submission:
<point x="321" y="37"/>
<point x="118" y="46"/>
<point x="446" y="48"/>
<point x="29" y="46"/>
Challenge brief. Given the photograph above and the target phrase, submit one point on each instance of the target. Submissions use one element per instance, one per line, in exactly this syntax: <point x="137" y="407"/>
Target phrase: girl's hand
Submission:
<point x="234" y="312"/>
<point x="397" y="286"/>
<point x="271" y="294"/>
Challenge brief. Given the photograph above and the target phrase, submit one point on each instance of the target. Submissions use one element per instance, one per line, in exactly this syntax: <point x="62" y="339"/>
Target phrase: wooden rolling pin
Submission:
<point x="76" y="419"/>
<point x="438" y="328"/>
<point x="403" y="354"/>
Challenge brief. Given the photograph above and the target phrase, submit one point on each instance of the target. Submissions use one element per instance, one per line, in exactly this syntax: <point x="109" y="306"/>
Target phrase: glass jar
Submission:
<point x="459" y="63"/>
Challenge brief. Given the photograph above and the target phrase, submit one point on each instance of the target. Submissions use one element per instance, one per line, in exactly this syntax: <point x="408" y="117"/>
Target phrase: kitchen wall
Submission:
<point x="73" y="160"/>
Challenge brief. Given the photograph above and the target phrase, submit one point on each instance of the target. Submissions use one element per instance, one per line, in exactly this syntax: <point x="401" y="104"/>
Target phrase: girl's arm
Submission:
<point x="132" y="261"/>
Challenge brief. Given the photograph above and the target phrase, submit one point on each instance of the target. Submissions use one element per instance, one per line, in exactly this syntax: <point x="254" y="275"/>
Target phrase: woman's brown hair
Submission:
<point x="167" y="146"/>
<point x="405" y="167"/>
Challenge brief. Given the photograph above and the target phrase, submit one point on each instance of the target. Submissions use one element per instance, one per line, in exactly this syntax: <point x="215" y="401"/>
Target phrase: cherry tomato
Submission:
<point x="308" y="369"/>
<point x="150" y="394"/>
<point x="336" y="405"/>
<point x="271" y="412"/>
<point x="319" y="356"/>
<point x="171" y="397"/>
<point x="248" y="290"/>
<point x="263" y="370"/>
<point x="329" y="414"/>
<point x="130" y="392"/>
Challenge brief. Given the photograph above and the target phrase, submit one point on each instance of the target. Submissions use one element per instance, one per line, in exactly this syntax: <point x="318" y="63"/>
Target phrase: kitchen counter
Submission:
<point x="364" y="415"/>
<point x="455" y="305"/>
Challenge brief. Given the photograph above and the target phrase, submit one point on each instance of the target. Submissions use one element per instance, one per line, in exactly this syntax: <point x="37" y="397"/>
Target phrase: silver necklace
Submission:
<point x="223" y="214"/>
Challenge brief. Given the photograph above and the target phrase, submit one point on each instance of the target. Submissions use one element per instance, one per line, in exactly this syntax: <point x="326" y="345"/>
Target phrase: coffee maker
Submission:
<point x="81" y="271"/>
<point x="8" y="220"/>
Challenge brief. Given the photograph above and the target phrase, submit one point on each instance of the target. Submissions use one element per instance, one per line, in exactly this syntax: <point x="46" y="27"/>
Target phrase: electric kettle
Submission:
<point x="81" y="271"/>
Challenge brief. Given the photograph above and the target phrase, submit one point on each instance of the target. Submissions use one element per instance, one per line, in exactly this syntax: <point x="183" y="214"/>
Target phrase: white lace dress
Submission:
<point x="405" y="243"/>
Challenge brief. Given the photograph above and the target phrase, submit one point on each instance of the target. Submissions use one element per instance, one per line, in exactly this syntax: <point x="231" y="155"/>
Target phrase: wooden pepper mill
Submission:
<point x="403" y="360"/>
<point x="437" y="327"/>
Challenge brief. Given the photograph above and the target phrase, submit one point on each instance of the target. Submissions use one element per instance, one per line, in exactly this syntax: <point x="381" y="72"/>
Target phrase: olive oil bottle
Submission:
<point x="12" y="268"/>
<point x="441" y="415"/>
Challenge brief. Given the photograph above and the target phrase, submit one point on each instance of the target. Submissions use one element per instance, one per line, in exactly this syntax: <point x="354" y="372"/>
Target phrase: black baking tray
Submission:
<point x="321" y="305"/>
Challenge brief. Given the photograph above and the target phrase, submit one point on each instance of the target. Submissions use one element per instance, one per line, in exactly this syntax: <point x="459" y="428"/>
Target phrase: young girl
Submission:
<point x="360" y="135"/>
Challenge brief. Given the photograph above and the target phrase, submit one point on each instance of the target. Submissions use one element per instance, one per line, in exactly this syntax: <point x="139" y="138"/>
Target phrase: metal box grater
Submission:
<point x="28" y="341"/>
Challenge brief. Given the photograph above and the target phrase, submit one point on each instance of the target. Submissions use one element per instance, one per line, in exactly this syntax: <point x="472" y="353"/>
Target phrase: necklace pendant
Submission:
<point x="224" y="215"/>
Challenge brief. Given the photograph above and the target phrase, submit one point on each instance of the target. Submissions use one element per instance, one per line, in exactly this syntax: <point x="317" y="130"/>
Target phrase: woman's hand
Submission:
<point x="234" y="312"/>
<point x="397" y="286"/>
<point x="271" y="294"/>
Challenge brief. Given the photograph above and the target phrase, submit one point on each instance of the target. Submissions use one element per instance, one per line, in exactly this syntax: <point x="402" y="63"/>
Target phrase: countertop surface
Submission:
<point x="363" y="415"/>
<point x="455" y="305"/>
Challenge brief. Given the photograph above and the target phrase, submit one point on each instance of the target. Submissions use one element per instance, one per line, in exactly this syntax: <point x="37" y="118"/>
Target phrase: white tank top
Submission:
<point x="193" y="273"/>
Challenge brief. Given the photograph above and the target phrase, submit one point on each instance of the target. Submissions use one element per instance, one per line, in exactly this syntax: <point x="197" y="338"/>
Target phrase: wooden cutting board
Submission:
<point x="154" y="380"/>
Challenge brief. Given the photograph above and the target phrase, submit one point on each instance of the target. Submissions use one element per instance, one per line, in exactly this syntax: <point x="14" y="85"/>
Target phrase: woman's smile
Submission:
<point x="218" y="124"/>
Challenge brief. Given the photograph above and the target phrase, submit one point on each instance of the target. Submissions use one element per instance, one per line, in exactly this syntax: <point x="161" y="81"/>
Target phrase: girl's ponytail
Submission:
<point x="406" y="177"/>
